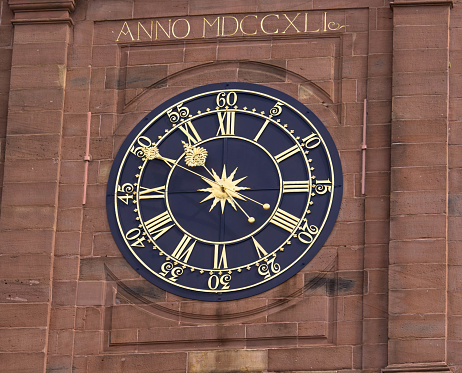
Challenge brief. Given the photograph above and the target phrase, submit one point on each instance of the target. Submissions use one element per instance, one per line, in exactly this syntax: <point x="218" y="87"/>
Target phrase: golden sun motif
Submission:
<point x="223" y="189"/>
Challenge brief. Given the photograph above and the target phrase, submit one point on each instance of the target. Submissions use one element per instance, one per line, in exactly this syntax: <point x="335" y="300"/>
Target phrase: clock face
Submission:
<point x="224" y="191"/>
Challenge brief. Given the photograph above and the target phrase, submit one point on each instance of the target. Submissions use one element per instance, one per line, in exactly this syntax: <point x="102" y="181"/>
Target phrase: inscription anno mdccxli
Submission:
<point x="230" y="25"/>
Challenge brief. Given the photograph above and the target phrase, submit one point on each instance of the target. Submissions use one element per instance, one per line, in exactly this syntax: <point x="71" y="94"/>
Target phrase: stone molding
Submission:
<point x="449" y="3"/>
<point x="417" y="368"/>
<point x="50" y="11"/>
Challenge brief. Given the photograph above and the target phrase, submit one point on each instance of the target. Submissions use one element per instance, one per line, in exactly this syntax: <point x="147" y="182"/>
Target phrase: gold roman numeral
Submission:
<point x="219" y="260"/>
<point x="261" y="130"/>
<point x="226" y="120"/>
<point x="150" y="193"/>
<point x="156" y="224"/>
<point x="287" y="153"/>
<point x="260" y="250"/>
<point x="181" y="251"/>
<point x="296" y="186"/>
<point x="190" y="133"/>
<point x="285" y="220"/>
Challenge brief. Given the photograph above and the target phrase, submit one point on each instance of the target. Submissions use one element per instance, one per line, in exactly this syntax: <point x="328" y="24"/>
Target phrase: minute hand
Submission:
<point x="187" y="169"/>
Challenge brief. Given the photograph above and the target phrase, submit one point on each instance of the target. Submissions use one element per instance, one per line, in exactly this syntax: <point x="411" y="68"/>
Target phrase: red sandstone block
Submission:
<point x="420" y="60"/>
<point x="415" y="350"/>
<point x="377" y="208"/>
<point x="375" y="305"/>
<point x="374" y="357"/>
<point x="161" y="8"/>
<point x="346" y="232"/>
<point x="67" y="243"/>
<point x="36" y="99"/>
<point x="93" y="269"/>
<point x="375" y="331"/>
<point x="103" y="101"/>
<point x="34" y="170"/>
<point x="419" y="131"/>
<point x="349" y="332"/>
<point x="6" y="35"/>
<point x="59" y="363"/>
<point x="411" y="37"/>
<point x="417" y="227"/>
<point x="376" y="281"/>
<point x="62" y="318"/>
<point x="454" y="252"/>
<point x="38" y="76"/>
<point x="247" y="50"/>
<point x="455" y="180"/>
<point x="65" y="268"/>
<point x="382" y="41"/>
<point x="162" y="55"/>
<point x="32" y="147"/>
<point x="63" y="293"/>
<point x="317" y="68"/>
<point x="420" y="83"/>
<point x="88" y="342"/>
<point x="70" y="195"/>
<point x="34" y="242"/>
<point x="69" y="220"/>
<point x="23" y="362"/>
<point x="417" y="326"/>
<point x="143" y="76"/>
<point x="28" y="217"/>
<point x="261" y="74"/>
<point x="39" y="54"/>
<point x="455" y="156"/>
<point x="90" y="293"/>
<point x="129" y="316"/>
<point x="104" y="245"/>
<point x="455" y="112"/>
<point x="412" y="203"/>
<point x="30" y="266"/>
<point x="415" y="276"/>
<point x="421" y="16"/>
<point x="119" y="9"/>
<point x="60" y="342"/>
<point x="76" y="101"/>
<point x="384" y="19"/>
<point x="292" y="49"/>
<point x="94" y="220"/>
<point x="21" y="290"/>
<point x="313" y="308"/>
<point x="79" y="56"/>
<point x="29" y="194"/>
<point x="49" y="33"/>
<point x="314" y="358"/>
<point x="23" y="315"/>
<point x="90" y="318"/>
<point x="419" y="178"/>
<point x="377" y="232"/>
<point x="454" y="278"/>
<point x="419" y="107"/>
<point x="380" y="65"/>
<point x="43" y="122"/>
<point x="376" y="256"/>
<point x="72" y="171"/>
<point x="417" y="251"/>
<point x="361" y="44"/>
<point x="416" y="301"/>
<point x="454" y="231"/>
<point x="22" y="340"/>
<point x="139" y="363"/>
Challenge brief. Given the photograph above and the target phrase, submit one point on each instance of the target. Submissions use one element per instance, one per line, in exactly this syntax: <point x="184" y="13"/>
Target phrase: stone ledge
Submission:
<point x="417" y="368"/>
<point x="39" y="6"/>
<point x="422" y="3"/>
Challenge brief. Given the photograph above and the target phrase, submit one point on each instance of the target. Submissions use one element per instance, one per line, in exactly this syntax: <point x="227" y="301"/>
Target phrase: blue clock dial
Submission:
<point x="224" y="191"/>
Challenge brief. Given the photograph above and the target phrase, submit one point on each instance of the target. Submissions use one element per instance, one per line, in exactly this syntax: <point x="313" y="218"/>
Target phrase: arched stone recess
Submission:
<point x="140" y="101"/>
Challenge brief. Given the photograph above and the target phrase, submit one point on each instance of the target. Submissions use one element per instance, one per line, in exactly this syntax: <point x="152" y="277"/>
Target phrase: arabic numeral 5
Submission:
<point x="268" y="268"/>
<point x="229" y="99"/>
<point x="215" y="281"/>
<point x="128" y="189"/>
<point x="175" y="272"/>
<point x="323" y="186"/>
<point x="181" y="112"/>
<point x="134" y="235"/>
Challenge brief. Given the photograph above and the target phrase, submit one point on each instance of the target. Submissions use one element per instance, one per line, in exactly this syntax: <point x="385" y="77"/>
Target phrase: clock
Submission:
<point x="224" y="191"/>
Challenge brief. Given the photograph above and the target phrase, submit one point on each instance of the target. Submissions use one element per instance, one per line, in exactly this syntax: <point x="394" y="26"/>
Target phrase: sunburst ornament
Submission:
<point x="223" y="189"/>
<point x="194" y="156"/>
<point x="151" y="152"/>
